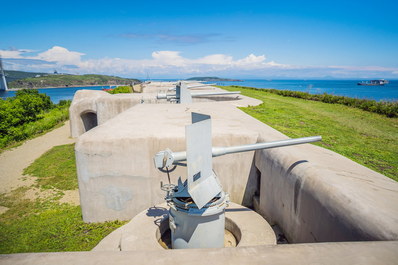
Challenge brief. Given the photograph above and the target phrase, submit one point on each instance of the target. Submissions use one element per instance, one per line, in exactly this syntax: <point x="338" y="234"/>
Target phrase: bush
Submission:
<point x="29" y="113"/>
<point x="120" y="89"/>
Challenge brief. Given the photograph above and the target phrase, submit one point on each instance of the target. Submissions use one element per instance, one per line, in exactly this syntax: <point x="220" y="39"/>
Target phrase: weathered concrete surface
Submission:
<point x="316" y="195"/>
<point x="106" y="106"/>
<point x="138" y="88"/>
<point x="322" y="253"/>
<point x="143" y="232"/>
<point x="313" y="194"/>
<point x="117" y="178"/>
<point x="103" y="104"/>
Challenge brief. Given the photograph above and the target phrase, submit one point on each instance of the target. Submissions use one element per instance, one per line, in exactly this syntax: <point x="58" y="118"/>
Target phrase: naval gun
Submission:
<point x="197" y="205"/>
<point x="184" y="95"/>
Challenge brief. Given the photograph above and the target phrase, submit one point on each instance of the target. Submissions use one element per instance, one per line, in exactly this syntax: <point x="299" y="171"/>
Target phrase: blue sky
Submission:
<point x="178" y="39"/>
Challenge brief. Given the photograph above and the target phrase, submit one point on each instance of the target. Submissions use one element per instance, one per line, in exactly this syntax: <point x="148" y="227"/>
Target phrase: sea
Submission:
<point x="347" y="88"/>
<point x="58" y="93"/>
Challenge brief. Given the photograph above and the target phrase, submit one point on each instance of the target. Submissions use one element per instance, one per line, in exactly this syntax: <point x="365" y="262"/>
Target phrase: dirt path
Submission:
<point x="12" y="162"/>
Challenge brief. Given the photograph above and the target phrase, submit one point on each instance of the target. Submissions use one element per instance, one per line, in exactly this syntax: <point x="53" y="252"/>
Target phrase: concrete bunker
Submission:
<point x="313" y="194"/>
<point x="89" y="119"/>
<point x="297" y="189"/>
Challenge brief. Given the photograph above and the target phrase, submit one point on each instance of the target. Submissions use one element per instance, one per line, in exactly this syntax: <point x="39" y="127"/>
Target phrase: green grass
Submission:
<point x="367" y="138"/>
<point x="387" y="108"/>
<point x="44" y="225"/>
<point x="55" y="169"/>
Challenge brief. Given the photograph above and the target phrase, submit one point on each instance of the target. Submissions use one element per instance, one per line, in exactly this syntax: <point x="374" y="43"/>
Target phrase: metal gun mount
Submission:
<point x="184" y="95"/>
<point x="197" y="205"/>
<point x="189" y="87"/>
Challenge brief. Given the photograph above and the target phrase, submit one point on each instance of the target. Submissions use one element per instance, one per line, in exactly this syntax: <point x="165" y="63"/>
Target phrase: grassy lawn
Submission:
<point x="44" y="224"/>
<point x="55" y="169"/>
<point x="367" y="138"/>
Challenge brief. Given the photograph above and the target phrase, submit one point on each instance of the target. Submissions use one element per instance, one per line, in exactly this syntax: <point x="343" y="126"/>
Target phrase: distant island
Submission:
<point x="211" y="79"/>
<point x="42" y="80"/>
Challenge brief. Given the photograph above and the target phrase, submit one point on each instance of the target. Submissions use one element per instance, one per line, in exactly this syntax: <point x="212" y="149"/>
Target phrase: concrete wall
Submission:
<point x="104" y="105"/>
<point x="101" y="103"/>
<point x="316" y="195"/>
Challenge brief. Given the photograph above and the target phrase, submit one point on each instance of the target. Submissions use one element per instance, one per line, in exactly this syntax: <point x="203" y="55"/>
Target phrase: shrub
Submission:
<point x="29" y="113"/>
<point x="120" y="89"/>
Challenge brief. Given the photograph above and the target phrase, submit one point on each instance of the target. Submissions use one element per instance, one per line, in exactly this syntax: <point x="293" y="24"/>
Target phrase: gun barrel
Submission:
<point x="194" y="95"/>
<point x="219" y="151"/>
<point x="165" y="96"/>
<point x="161" y="96"/>
<point x="202" y="85"/>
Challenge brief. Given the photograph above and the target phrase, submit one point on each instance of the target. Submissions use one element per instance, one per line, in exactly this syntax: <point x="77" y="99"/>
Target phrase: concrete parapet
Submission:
<point x="99" y="104"/>
<point x="322" y="253"/>
<point x="317" y="195"/>
<point x="90" y="108"/>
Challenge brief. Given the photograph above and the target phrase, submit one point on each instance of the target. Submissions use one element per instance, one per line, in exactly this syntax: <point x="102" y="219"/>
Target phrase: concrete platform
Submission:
<point x="143" y="231"/>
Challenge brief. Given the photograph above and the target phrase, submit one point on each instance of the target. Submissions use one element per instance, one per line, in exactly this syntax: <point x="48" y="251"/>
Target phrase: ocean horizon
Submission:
<point x="348" y="88"/>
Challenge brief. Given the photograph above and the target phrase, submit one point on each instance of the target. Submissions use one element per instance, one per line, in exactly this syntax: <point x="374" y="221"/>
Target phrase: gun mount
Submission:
<point x="184" y="95"/>
<point x="197" y="205"/>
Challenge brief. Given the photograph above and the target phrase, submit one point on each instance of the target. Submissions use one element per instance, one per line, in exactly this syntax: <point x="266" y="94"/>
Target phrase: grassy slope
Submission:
<point x="69" y="80"/>
<point x="367" y="138"/>
<point x="44" y="224"/>
<point x="16" y="75"/>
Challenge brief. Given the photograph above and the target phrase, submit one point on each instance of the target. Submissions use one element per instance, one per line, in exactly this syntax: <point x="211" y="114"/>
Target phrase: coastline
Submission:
<point x="16" y="89"/>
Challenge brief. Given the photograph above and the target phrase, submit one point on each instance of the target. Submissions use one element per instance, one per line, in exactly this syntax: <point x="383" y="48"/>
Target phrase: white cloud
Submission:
<point x="164" y="58"/>
<point x="174" y="64"/>
<point x="215" y="59"/>
<point x="60" y="55"/>
<point x="11" y="53"/>
<point x="251" y="59"/>
<point x="160" y="62"/>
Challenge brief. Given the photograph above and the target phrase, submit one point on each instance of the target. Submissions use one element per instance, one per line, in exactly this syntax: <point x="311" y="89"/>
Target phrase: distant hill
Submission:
<point x="65" y="80"/>
<point x="16" y="75"/>
<point x="211" y="79"/>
